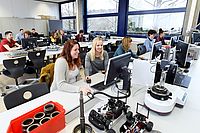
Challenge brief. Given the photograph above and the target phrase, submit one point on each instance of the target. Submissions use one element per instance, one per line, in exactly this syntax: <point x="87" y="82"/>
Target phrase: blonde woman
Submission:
<point x="125" y="47"/>
<point x="96" y="59"/>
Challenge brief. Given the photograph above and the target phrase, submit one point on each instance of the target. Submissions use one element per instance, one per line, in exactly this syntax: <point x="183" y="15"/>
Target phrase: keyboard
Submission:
<point x="17" y="53"/>
<point x="100" y="86"/>
<point x="182" y="80"/>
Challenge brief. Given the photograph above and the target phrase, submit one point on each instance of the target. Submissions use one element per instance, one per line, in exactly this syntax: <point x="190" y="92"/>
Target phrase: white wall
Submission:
<point x="27" y="9"/>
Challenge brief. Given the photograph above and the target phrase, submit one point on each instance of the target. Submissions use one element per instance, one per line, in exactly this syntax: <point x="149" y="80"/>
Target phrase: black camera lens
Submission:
<point x="45" y="119"/>
<point x="49" y="108"/>
<point x="54" y="114"/>
<point x="32" y="127"/>
<point x="39" y="116"/>
<point x="26" y="123"/>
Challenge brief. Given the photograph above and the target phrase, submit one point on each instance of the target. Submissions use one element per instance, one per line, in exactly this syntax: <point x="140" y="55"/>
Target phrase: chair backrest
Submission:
<point x="15" y="66"/>
<point x="25" y="94"/>
<point x="83" y="52"/>
<point x="141" y="49"/>
<point x="110" y="54"/>
<point x="37" y="57"/>
<point x="83" y="49"/>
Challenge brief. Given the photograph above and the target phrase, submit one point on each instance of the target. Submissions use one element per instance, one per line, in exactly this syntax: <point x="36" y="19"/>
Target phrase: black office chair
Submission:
<point x="141" y="49"/>
<point x="110" y="54"/>
<point x="107" y="47"/>
<point x="25" y="94"/>
<point x="37" y="57"/>
<point x="83" y="52"/>
<point x="14" y="68"/>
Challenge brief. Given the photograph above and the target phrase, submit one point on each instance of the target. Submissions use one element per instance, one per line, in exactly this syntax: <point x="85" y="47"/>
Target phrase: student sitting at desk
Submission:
<point x="34" y="33"/>
<point x="125" y="47"/>
<point x="19" y="36"/>
<point x="54" y="38"/>
<point x="8" y="44"/>
<point x="80" y="37"/>
<point x="149" y="41"/>
<point x="160" y="38"/>
<point x="27" y="34"/>
<point x="66" y="69"/>
<point x="96" y="59"/>
<point x="63" y="38"/>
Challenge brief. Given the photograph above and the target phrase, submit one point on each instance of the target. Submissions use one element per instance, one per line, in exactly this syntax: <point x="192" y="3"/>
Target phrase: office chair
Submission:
<point x="2" y="85"/>
<point x="141" y="49"/>
<point x="14" y="68"/>
<point x="25" y="94"/>
<point x="83" y="52"/>
<point x="37" y="57"/>
<point x="110" y="54"/>
<point x="107" y="47"/>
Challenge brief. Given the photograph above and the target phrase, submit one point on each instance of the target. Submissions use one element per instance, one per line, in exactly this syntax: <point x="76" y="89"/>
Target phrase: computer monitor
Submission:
<point x="181" y="53"/>
<point x="157" y="50"/>
<point x="174" y="41"/>
<point x="115" y="69"/>
<point x="195" y="38"/>
<point x="29" y="43"/>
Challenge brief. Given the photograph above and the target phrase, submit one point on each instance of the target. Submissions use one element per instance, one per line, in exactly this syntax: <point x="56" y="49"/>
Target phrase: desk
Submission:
<point x="180" y="120"/>
<point x="68" y="100"/>
<point x="195" y="50"/>
<point x="3" y="55"/>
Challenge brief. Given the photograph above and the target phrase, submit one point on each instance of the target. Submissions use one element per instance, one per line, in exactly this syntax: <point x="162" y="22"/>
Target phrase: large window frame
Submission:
<point x="86" y="16"/>
<point x="157" y="11"/>
<point x="122" y="14"/>
<point x="66" y="17"/>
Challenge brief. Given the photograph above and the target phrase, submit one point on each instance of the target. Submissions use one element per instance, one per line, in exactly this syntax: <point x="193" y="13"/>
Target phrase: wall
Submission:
<point x="27" y="9"/>
<point x="15" y="14"/>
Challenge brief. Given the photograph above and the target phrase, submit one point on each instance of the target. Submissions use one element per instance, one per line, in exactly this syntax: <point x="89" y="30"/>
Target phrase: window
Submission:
<point x="136" y="5"/>
<point x="102" y="24"/>
<point x="102" y="6"/>
<point x="69" y="24"/>
<point x="68" y="9"/>
<point x="142" y="23"/>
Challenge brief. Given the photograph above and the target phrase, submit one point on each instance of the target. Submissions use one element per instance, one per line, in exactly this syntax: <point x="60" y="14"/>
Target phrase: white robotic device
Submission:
<point x="162" y="97"/>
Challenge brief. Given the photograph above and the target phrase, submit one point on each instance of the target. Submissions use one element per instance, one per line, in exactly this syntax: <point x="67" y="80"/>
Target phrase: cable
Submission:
<point x="151" y="69"/>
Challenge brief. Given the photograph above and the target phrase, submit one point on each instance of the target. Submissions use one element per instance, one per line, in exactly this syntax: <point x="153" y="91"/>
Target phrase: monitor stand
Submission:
<point x="178" y="98"/>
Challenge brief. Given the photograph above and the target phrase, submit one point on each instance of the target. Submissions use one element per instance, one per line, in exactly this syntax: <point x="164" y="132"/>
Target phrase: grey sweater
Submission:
<point x="61" y="77"/>
<point x="92" y="67"/>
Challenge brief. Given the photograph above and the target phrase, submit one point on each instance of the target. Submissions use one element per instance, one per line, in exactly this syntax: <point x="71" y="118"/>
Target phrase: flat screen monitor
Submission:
<point x="174" y="41"/>
<point x="195" y="38"/>
<point x="181" y="53"/>
<point x="156" y="50"/>
<point x="29" y="43"/>
<point x="115" y="65"/>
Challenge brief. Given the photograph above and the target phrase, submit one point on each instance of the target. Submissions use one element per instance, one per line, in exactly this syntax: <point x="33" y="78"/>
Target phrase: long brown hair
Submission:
<point x="66" y="53"/>
<point x="125" y="43"/>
